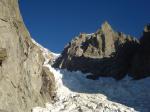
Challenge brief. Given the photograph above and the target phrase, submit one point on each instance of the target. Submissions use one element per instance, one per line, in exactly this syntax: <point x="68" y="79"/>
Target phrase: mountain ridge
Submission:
<point x="110" y="51"/>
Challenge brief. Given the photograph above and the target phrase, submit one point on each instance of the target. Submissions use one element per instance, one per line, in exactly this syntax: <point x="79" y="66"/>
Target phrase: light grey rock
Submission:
<point x="21" y="73"/>
<point x="3" y="54"/>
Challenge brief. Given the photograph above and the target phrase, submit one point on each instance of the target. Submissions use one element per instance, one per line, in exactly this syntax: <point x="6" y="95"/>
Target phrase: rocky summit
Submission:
<point x="103" y="53"/>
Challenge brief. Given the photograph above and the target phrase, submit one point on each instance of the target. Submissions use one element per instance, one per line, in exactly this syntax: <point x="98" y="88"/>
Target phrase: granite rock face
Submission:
<point x="22" y="76"/>
<point x="104" y="53"/>
<point x="3" y="54"/>
<point x="141" y="62"/>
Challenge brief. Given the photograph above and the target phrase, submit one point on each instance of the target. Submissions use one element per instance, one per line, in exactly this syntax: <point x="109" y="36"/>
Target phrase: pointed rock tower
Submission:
<point x="108" y="39"/>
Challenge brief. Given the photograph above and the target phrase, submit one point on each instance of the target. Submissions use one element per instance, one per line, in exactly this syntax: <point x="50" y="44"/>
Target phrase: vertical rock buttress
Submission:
<point x="21" y="63"/>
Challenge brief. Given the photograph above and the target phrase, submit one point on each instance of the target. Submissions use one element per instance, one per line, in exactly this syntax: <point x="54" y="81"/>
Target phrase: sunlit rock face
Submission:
<point x="104" y="53"/>
<point x="141" y="62"/>
<point x="21" y="63"/>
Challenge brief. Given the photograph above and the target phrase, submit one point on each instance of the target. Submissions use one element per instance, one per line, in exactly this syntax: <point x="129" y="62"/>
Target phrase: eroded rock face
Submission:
<point x="48" y="84"/>
<point x="21" y="72"/>
<point x="141" y="62"/>
<point x="104" y="53"/>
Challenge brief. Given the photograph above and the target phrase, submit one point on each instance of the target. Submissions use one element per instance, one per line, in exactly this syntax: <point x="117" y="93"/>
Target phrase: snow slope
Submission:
<point x="75" y="93"/>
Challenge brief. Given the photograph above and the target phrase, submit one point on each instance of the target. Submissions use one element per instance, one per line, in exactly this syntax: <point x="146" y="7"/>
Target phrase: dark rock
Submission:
<point x="3" y="55"/>
<point x="141" y="62"/>
<point x="104" y="53"/>
<point x="93" y="77"/>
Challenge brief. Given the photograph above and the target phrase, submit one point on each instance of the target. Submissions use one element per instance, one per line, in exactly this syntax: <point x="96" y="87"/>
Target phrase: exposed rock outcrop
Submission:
<point x="48" y="84"/>
<point x="141" y="62"/>
<point x="22" y="76"/>
<point x="104" y="53"/>
<point x="3" y="55"/>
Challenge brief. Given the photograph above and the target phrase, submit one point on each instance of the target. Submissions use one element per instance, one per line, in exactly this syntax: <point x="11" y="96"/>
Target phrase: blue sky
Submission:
<point x="53" y="23"/>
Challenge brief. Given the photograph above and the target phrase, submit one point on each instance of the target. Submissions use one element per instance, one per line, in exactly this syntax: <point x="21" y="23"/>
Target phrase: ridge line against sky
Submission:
<point x="53" y="23"/>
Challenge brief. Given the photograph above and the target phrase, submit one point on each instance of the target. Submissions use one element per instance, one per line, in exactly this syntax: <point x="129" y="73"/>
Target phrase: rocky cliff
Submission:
<point x="141" y="62"/>
<point x="24" y="82"/>
<point x="103" y="53"/>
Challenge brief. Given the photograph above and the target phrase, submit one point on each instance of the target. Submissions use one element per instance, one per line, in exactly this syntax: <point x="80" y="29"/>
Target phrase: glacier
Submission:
<point x="76" y="93"/>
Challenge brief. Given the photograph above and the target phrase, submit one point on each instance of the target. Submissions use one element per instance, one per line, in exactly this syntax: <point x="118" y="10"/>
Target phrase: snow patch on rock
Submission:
<point x="49" y="56"/>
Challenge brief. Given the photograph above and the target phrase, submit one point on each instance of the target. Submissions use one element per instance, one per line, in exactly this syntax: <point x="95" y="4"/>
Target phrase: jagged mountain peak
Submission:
<point x="104" y="49"/>
<point x="105" y="28"/>
<point x="105" y="25"/>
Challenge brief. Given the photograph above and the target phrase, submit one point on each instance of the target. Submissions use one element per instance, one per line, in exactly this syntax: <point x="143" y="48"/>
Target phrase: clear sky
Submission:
<point x="53" y="23"/>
